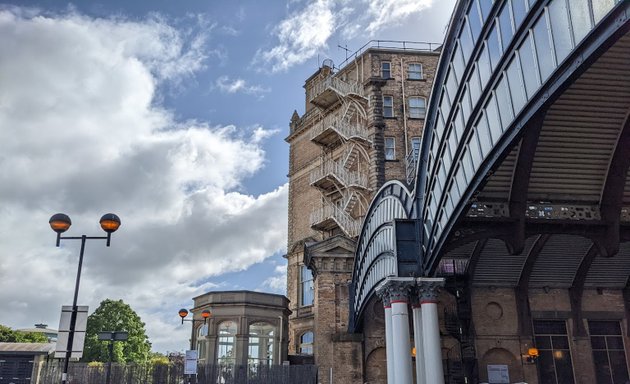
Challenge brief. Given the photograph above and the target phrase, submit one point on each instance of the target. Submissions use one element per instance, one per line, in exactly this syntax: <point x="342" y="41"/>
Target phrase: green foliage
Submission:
<point x="159" y="359"/>
<point x="8" y="335"/>
<point x="115" y="315"/>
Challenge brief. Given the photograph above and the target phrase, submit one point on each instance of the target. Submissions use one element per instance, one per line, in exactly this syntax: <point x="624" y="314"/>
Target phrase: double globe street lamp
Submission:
<point x="205" y="315"/>
<point x="60" y="223"/>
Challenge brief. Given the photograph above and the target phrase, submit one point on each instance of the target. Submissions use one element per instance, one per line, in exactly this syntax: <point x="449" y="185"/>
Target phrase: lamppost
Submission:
<point x="60" y="223"/>
<point x="205" y="314"/>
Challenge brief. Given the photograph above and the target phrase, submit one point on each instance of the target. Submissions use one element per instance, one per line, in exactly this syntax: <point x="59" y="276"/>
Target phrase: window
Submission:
<point x="306" y="282"/>
<point x="388" y="106"/>
<point x="390" y="148"/>
<point x="386" y="70"/>
<point x="415" y="147"/>
<point x="306" y="343"/>
<point x="226" y="354"/>
<point x="554" y="360"/>
<point x="202" y="332"/>
<point x="261" y="344"/>
<point x="417" y="107"/>
<point x="609" y="355"/>
<point x="414" y="71"/>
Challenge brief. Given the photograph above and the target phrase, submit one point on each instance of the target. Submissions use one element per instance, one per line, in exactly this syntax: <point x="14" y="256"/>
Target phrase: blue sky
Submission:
<point x="173" y="115"/>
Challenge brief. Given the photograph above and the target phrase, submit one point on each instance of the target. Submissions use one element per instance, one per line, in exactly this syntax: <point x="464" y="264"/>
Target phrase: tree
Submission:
<point x="8" y="335"/>
<point x="115" y="315"/>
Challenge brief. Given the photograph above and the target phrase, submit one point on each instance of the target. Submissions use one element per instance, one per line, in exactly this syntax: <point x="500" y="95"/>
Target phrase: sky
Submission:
<point x="172" y="115"/>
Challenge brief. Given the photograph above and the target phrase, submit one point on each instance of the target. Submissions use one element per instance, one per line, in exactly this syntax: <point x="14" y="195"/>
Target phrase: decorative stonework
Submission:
<point x="429" y="289"/>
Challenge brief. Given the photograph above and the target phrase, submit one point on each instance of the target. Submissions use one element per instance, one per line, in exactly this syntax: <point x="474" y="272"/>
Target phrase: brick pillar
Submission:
<point x="376" y="125"/>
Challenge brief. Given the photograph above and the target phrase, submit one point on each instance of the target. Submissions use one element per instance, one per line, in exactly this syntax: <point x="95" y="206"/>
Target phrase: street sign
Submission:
<point x="64" y="332"/>
<point x="190" y="366"/>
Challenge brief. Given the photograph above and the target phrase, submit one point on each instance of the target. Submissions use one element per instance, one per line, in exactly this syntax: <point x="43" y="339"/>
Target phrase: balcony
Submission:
<point x="330" y="217"/>
<point x="332" y="175"/>
<point x="334" y="129"/>
<point x="327" y="92"/>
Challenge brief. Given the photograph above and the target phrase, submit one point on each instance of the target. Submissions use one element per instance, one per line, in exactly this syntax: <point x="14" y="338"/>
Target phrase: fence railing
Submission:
<point x="81" y="373"/>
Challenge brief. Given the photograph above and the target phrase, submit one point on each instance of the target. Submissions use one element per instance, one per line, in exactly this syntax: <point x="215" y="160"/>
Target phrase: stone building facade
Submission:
<point x="361" y="127"/>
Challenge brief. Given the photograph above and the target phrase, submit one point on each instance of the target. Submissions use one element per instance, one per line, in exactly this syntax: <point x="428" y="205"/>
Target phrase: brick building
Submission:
<point x="361" y="127"/>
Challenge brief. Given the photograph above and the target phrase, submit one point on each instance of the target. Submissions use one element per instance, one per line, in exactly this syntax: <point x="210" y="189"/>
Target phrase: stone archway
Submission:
<point x="376" y="367"/>
<point x="500" y="357"/>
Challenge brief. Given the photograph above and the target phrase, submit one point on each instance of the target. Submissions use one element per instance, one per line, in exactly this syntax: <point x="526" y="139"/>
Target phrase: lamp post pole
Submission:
<point x="60" y="223"/>
<point x="205" y="314"/>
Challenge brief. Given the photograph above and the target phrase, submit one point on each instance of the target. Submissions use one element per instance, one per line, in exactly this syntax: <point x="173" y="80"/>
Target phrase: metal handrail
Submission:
<point x="345" y="128"/>
<point x="341" y="87"/>
<point x="420" y="46"/>
<point x="349" y="225"/>
<point x="348" y="178"/>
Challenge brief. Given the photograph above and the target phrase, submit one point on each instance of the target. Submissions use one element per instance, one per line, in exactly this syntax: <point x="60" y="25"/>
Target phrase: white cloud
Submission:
<point x="300" y="36"/>
<point x="227" y="85"/>
<point x="278" y="282"/>
<point x="307" y="31"/>
<point x="388" y="13"/>
<point x="82" y="134"/>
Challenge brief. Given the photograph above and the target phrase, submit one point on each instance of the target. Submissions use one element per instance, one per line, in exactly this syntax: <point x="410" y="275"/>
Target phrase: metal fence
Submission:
<point x="82" y="373"/>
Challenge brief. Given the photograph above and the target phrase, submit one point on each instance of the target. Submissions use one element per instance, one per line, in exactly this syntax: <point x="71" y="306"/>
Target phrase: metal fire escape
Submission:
<point x="342" y="175"/>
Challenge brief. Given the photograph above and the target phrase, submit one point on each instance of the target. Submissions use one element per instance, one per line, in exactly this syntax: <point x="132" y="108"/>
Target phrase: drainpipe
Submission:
<point x="280" y="342"/>
<point x="402" y="81"/>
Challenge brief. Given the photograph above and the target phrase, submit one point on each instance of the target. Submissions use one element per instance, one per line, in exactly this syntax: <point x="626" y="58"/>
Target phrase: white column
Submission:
<point x="417" y="334"/>
<point x="389" y="344"/>
<point x="383" y="293"/>
<point x="402" y="344"/>
<point x="429" y="289"/>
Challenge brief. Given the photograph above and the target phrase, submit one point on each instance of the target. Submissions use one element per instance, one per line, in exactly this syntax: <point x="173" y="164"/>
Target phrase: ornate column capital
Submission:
<point x="429" y="289"/>
<point x="395" y="289"/>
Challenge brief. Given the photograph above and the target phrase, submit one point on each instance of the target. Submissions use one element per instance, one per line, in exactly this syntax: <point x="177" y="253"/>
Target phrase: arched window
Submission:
<point x="226" y="353"/>
<point x="202" y="332"/>
<point x="306" y="343"/>
<point x="261" y="344"/>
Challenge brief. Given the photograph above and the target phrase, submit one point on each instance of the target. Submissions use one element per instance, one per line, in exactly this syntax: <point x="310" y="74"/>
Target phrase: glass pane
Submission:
<point x="543" y="48"/>
<point x="602" y="369"/>
<point x="493" y="120"/>
<point x="475" y="87"/>
<point x="451" y="85"/>
<point x="618" y="366"/>
<point x="580" y="19"/>
<point x="604" y="327"/>
<point x="439" y="127"/>
<point x="466" y="107"/>
<point x="505" y="21"/>
<point x="615" y="342"/>
<point x="519" y="10"/>
<point x="475" y="151"/>
<point x="486" y="6"/>
<point x="466" y="41"/>
<point x="547" y="368"/>
<point x="601" y="8"/>
<point x="494" y="47"/>
<point x="505" y="103"/>
<point x="468" y="167"/>
<point x="445" y="105"/>
<point x="458" y="63"/>
<point x="485" y="141"/>
<point x="598" y="342"/>
<point x="550" y="327"/>
<point x="484" y="66"/>
<point x="530" y="72"/>
<point x="543" y="342"/>
<point x="452" y="141"/>
<point x="516" y="84"/>
<point x="560" y="29"/>
<point x="459" y="124"/>
<point x="564" y="367"/>
<point x="560" y="342"/>
<point x="474" y="21"/>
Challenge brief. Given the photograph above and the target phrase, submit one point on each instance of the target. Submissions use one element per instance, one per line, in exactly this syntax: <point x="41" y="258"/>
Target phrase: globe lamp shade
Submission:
<point x="183" y="313"/>
<point x="60" y="222"/>
<point x="110" y="222"/>
<point x="205" y="314"/>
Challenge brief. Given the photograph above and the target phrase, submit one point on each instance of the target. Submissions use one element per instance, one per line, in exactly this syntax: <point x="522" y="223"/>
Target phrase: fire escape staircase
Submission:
<point x="337" y="128"/>
<point x="333" y="215"/>
<point x="328" y="91"/>
<point x="458" y="323"/>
